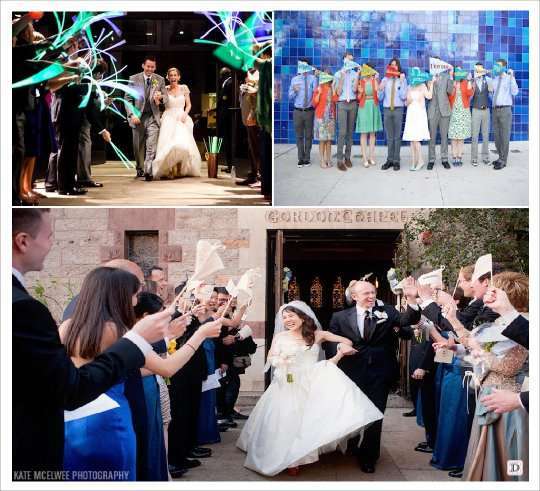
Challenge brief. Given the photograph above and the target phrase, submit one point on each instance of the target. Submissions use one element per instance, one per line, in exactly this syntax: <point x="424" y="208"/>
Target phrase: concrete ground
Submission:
<point x="360" y="186"/>
<point x="121" y="188"/>
<point x="398" y="462"/>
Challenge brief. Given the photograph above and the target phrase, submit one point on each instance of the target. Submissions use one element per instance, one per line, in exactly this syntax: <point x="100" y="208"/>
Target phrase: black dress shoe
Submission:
<point x="445" y="164"/>
<point x="190" y="463"/>
<point x="72" y="192"/>
<point x="200" y="453"/>
<point x="457" y="473"/>
<point x="410" y="414"/>
<point x="396" y="166"/>
<point x="307" y="163"/>
<point x="148" y="177"/>
<point x="237" y="415"/>
<point x="423" y="449"/>
<point x="247" y="182"/>
<point x="430" y="165"/>
<point x="341" y="165"/>
<point x="387" y="165"/>
<point x="231" y="422"/>
<point x="222" y="427"/>
<point x="50" y="189"/>
<point x="176" y="471"/>
<point x="348" y="163"/>
<point x="140" y="173"/>
<point x="91" y="184"/>
<point x="367" y="468"/>
<point x="499" y="165"/>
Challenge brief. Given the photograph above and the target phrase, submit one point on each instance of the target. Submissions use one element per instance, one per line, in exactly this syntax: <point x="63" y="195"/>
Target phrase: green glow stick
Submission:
<point x="47" y="73"/>
<point x="128" y="164"/>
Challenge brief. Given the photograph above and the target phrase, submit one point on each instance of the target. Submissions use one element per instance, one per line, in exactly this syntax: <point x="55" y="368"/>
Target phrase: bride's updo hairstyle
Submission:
<point x="176" y="70"/>
<point x="308" y="325"/>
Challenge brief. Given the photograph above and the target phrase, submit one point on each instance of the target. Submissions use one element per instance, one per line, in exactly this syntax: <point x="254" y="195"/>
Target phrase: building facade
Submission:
<point x="320" y="246"/>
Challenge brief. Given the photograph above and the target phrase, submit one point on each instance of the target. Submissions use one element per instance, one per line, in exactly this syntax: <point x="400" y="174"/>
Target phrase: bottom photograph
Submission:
<point x="250" y="344"/>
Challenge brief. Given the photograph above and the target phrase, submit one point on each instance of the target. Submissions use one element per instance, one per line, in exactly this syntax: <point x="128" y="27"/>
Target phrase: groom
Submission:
<point x="152" y="92"/>
<point x="372" y="327"/>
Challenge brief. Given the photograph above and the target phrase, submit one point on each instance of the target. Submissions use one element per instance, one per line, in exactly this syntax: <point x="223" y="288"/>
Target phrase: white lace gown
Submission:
<point x="177" y="154"/>
<point x="294" y="422"/>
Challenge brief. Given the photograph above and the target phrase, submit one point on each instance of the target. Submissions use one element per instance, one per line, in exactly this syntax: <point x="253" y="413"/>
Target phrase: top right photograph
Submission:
<point x="401" y="108"/>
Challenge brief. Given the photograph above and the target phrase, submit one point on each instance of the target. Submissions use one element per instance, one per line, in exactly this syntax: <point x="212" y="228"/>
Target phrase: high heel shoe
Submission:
<point x="413" y="167"/>
<point x="419" y="166"/>
<point x="293" y="471"/>
<point x="372" y="162"/>
<point x="366" y="163"/>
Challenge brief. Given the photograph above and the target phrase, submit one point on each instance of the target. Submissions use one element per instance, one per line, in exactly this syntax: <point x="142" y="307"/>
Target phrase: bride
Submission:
<point x="311" y="407"/>
<point x="177" y="154"/>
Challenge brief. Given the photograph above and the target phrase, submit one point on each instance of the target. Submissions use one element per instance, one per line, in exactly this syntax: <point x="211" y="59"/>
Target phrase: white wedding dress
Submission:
<point x="177" y="154"/>
<point x="294" y="422"/>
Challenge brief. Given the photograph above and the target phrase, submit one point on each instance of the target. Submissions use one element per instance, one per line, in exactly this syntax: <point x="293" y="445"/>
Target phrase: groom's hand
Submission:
<point x="106" y="136"/>
<point x="135" y="120"/>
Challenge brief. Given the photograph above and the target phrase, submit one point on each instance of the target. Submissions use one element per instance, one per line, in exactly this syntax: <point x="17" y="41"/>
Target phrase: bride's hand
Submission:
<point x="346" y="350"/>
<point x="183" y="117"/>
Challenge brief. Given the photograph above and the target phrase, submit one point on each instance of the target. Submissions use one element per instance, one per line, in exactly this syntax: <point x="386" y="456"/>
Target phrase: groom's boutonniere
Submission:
<point x="381" y="316"/>
<point x="154" y="83"/>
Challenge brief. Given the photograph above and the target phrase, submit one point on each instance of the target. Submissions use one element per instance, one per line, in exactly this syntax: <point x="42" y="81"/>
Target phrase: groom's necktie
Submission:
<point x="368" y="325"/>
<point x="147" y="88"/>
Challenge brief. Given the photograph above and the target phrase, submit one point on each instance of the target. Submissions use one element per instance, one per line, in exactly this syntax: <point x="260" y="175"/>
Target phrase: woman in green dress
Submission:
<point x="460" y="120"/>
<point x="368" y="120"/>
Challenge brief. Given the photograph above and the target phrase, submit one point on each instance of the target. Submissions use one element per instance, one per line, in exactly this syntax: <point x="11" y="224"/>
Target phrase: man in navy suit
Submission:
<point x="372" y="327"/>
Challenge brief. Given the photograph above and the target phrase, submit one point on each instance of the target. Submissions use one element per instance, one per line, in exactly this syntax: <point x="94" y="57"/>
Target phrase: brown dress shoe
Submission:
<point x="341" y="165"/>
<point x="348" y="163"/>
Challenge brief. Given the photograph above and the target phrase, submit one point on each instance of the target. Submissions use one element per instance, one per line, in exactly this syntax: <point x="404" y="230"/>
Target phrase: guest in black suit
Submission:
<point x="45" y="381"/>
<point x="472" y="315"/>
<point x="67" y="118"/>
<point x="373" y="330"/>
<point x="419" y="345"/>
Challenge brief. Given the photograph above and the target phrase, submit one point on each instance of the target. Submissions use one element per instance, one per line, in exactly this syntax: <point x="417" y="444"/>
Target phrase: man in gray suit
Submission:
<point x="152" y="92"/>
<point x="439" y="118"/>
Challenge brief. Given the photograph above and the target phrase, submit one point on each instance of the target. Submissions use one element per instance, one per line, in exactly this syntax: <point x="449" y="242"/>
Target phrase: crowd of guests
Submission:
<point x="52" y="128"/>
<point x="473" y="404"/>
<point x="117" y="390"/>
<point x="330" y="107"/>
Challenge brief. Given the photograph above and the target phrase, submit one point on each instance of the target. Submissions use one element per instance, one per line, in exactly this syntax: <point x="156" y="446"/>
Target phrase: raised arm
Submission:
<point x="167" y="367"/>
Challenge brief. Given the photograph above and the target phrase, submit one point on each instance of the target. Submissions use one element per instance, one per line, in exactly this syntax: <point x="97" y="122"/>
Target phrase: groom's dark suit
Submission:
<point x="375" y="368"/>
<point x="45" y="382"/>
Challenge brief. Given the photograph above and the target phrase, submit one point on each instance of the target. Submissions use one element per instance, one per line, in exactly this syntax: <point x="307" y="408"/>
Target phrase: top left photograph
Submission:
<point x="142" y="108"/>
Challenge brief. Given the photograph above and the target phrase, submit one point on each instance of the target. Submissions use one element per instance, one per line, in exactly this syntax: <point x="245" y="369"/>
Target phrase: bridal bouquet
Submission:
<point x="283" y="363"/>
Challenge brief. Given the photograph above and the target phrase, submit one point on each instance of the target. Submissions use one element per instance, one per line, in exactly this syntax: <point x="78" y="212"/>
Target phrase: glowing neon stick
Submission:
<point x="47" y="73"/>
<point x="122" y="157"/>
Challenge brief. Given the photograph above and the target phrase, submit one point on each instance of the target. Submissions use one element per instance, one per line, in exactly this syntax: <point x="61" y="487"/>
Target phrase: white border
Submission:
<point x="5" y="224"/>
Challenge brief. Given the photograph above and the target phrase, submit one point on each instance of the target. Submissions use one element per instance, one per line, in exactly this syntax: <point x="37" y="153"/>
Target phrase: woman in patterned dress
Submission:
<point x="460" y="119"/>
<point x="324" y="102"/>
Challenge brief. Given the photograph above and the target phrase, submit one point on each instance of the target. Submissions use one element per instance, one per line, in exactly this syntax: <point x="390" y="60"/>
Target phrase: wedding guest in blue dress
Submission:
<point x="155" y="464"/>
<point x="100" y="442"/>
<point x="207" y="427"/>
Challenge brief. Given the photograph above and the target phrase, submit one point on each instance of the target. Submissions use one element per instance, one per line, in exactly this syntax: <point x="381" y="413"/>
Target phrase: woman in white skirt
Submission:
<point x="416" y="121"/>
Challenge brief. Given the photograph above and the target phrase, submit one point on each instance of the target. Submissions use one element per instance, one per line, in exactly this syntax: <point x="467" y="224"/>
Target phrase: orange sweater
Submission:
<point x="362" y="95"/>
<point x="466" y="94"/>
<point x="319" y="101"/>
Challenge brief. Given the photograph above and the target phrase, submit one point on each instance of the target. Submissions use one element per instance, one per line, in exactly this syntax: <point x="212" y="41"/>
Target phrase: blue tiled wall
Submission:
<point x="461" y="38"/>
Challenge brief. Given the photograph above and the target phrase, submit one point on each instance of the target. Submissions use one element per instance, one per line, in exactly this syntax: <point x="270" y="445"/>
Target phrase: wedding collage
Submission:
<point x="258" y="246"/>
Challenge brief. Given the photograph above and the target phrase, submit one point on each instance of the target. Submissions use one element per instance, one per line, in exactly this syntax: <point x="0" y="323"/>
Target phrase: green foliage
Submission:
<point x="456" y="237"/>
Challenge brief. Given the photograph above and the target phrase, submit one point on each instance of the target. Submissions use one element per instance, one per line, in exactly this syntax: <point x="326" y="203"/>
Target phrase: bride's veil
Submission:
<point x="279" y="326"/>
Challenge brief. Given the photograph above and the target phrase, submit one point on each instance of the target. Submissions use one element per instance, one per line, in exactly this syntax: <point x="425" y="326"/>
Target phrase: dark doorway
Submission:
<point x="326" y="254"/>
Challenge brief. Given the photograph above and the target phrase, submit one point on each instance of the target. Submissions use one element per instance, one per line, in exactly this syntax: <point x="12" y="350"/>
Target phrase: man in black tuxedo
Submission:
<point x="472" y="315"/>
<point x="45" y="381"/>
<point x="373" y="328"/>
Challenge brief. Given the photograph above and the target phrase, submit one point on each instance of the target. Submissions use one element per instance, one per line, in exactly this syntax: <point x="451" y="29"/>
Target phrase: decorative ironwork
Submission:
<point x="315" y="293"/>
<point x="294" y="291"/>
<point x="338" y="294"/>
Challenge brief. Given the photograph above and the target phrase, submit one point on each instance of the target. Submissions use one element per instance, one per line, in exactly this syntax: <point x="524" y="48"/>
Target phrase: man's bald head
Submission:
<point x="364" y="293"/>
<point x="127" y="265"/>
